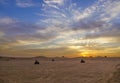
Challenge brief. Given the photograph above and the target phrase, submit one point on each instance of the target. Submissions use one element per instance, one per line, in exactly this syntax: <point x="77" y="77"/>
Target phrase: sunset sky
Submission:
<point x="56" y="28"/>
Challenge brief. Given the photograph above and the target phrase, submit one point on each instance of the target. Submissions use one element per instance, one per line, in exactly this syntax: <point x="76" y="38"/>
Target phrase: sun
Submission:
<point x="85" y="54"/>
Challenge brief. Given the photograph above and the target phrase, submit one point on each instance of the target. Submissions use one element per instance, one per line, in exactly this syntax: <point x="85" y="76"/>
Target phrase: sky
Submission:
<point x="55" y="28"/>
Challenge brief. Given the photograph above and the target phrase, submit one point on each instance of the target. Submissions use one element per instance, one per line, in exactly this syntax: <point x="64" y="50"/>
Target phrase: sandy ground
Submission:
<point x="67" y="71"/>
<point x="116" y="75"/>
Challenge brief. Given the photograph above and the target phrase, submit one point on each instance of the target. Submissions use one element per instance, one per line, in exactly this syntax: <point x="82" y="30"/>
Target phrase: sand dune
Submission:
<point x="61" y="71"/>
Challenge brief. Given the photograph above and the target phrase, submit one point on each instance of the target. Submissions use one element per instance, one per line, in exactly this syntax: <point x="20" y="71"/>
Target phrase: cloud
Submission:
<point x="58" y="52"/>
<point x="20" y="3"/>
<point x="63" y="23"/>
<point x="111" y="10"/>
<point x="68" y="15"/>
<point x="16" y="33"/>
<point x="108" y="30"/>
<point x="25" y="3"/>
<point x="7" y="20"/>
<point x="94" y="22"/>
<point x="50" y="2"/>
<point x="94" y="18"/>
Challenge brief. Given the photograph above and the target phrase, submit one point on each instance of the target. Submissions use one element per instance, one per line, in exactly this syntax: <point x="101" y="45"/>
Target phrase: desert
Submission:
<point x="94" y="70"/>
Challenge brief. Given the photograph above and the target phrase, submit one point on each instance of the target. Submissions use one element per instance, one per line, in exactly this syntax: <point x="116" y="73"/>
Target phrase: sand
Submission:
<point x="116" y="75"/>
<point x="61" y="71"/>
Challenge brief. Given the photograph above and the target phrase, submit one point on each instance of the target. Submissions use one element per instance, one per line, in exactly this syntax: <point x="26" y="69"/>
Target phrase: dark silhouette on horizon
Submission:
<point x="82" y="61"/>
<point x="53" y="60"/>
<point x="36" y="62"/>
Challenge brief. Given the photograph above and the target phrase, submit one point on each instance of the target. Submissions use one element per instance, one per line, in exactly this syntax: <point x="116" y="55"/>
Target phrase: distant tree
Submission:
<point x="105" y="56"/>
